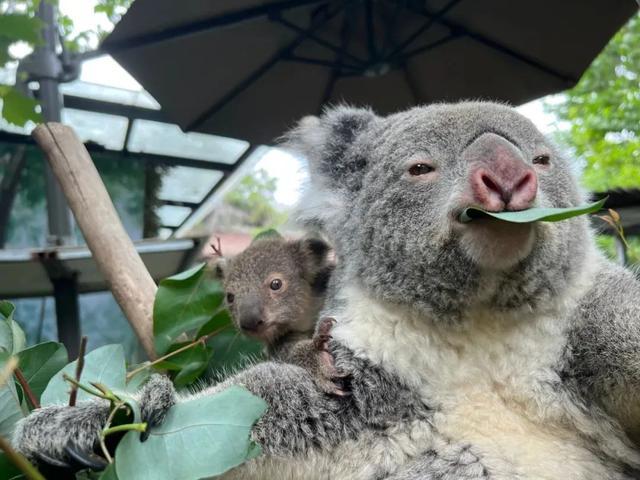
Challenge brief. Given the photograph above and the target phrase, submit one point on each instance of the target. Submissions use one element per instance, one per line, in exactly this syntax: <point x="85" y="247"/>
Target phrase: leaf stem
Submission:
<point x="20" y="461"/>
<point x="138" y="427"/>
<point x="197" y="341"/>
<point x="26" y="388"/>
<point x="73" y="394"/>
<point x="90" y="391"/>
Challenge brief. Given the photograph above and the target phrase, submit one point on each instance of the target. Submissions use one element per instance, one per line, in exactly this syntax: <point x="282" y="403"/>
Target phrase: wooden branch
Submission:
<point x="112" y="249"/>
<point x="73" y="394"/>
<point x="26" y="388"/>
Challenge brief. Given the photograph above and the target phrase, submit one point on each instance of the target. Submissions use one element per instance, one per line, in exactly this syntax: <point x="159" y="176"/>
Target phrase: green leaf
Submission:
<point x="18" y="108"/>
<point x="220" y="320"/>
<point x="104" y="365"/>
<point x="40" y="363"/>
<point x="232" y="351"/>
<point x="532" y="214"/>
<point x="269" y="233"/>
<point x="109" y="473"/>
<point x="189" y="364"/>
<point x="199" y="438"/>
<point x="10" y="410"/>
<point x="16" y="27"/>
<point x="184" y="302"/>
<point x="8" y="471"/>
<point x="12" y="338"/>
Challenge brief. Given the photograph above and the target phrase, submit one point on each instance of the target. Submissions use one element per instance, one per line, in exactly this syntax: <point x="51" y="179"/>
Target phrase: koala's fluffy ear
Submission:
<point x="317" y="259"/>
<point x="336" y="164"/>
<point x="218" y="267"/>
<point x="326" y="140"/>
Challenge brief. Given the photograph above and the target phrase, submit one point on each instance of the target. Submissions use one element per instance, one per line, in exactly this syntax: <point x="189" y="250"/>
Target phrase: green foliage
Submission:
<point x="533" y="214"/>
<point x="103" y="365"/>
<point x="254" y="195"/>
<point x="12" y="338"/>
<point x="10" y="403"/>
<point x="604" y="114"/>
<point x="17" y="108"/>
<point x="40" y="363"/>
<point x="19" y="23"/>
<point x="214" y="430"/>
<point x="184" y="302"/>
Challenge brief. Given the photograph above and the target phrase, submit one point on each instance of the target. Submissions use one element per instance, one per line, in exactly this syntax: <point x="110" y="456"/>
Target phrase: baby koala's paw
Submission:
<point x="330" y="379"/>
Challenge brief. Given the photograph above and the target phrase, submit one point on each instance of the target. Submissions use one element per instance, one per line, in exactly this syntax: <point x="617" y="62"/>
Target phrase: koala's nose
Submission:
<point x="500" y="179"/>
<point x="251" y="323"/>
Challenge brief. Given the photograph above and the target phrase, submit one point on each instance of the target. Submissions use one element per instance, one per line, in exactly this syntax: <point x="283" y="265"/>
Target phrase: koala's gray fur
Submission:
<point x="461" y="367"/>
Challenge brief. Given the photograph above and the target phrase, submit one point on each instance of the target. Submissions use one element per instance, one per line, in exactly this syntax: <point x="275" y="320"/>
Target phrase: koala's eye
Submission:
<point x="275" y="284"/>
<point x="230" y="297"/>
<point x="541" y="160"/>
<point x="420" y="169"/>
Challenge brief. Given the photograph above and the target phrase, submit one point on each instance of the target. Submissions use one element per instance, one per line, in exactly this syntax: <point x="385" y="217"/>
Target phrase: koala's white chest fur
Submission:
<point x="493" y="384"/>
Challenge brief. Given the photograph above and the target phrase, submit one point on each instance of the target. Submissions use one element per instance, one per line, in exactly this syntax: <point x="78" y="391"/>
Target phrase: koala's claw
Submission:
<point x="334" y="382"/>
<point x="86" y="459"/>
<point x="54" y="462"/>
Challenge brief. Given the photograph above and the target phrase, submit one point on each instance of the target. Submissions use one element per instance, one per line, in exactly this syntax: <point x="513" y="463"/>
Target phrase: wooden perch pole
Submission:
<point x="112" y="249"/>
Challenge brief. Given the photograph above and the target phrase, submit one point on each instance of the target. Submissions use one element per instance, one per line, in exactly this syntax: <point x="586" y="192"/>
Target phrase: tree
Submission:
<point x="603" y="110"/>
<point x="254" y="195"/>
<point x="20" y="24"/>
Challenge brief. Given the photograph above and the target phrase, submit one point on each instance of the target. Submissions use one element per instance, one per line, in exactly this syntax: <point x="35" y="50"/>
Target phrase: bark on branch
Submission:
<point x="112" y="249"/>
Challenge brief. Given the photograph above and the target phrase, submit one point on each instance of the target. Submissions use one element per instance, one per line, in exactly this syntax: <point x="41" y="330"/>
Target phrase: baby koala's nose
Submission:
<point x="251" y="323"/>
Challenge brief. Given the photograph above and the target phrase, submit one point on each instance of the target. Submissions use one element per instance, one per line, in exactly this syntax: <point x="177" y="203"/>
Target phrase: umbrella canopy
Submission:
<point x="250" y="68"/>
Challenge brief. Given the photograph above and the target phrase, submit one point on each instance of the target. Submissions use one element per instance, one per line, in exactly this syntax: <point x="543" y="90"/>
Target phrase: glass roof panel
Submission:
<point x="106" y="130"/>
<point x="171" y="215"/>
<point x="110" y="94"/>
<point x="166" y="139"/>
<point x="187" y="184"/>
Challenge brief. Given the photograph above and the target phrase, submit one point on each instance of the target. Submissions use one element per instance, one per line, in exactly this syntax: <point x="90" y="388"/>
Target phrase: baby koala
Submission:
<point x="274" y="290"/>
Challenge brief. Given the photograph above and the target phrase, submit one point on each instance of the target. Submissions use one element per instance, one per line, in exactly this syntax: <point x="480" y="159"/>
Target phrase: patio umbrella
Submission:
<point x="250" y="68"/>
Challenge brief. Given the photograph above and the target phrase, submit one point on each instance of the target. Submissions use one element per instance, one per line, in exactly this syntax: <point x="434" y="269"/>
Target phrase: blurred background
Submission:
<point x="176" y="192"/>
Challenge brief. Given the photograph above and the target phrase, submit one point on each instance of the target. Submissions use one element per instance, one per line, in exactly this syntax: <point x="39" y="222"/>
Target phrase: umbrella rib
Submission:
<point x="204" y="25"/>
<point x="257" y="73"/>
<point x="411" y="38"/>
<point x="319" y="40"/>
<point x="495" y="45"/>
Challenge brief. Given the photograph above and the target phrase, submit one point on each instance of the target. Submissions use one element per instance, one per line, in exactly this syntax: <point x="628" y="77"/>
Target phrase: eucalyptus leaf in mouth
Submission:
<point x="532" y="214"/>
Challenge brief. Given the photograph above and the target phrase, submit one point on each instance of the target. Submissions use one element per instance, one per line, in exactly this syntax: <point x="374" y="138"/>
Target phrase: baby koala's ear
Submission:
<point x="317" y="260"/>
<point x="218" y="267"/>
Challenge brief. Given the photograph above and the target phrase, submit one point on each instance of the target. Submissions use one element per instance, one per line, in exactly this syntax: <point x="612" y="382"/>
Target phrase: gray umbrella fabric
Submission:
<point x="249" y="69"/>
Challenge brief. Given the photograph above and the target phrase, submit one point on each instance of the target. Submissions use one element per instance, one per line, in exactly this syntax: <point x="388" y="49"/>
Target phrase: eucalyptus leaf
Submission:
<point x="8" y="471"/>
<point x="221" y="320"/>
<point x="18" y="108"/>
<point x="12" y="338"/>
<point x="189" y="364"/>
<point x="533" y="214"/>
<point x="10" y="410"/>
<point x="199" y="438"/>
<point x="184" y="302"/>
<point x="40" y="363"/>
<point x="104" y="365"/>
<point x="269" y="233"/>
<point x="232" y="351"/>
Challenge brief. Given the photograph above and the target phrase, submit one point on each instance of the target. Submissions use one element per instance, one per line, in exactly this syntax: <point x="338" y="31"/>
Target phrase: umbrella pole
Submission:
<point x="114" y="252"/>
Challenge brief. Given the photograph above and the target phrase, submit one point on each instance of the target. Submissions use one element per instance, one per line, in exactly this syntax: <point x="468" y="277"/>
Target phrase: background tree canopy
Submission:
<point x="603" y="112"/>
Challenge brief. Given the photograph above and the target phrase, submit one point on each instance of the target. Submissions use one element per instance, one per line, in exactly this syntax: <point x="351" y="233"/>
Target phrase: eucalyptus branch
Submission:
<point x="90" y="391"/>
<point x="197" y="341"/>
<point x="73" y="395"/>
<point x="103" y="445"/>
<point x="20" y="461"/>
<point x="26" y="388"/>
<point x="138" y="427"/>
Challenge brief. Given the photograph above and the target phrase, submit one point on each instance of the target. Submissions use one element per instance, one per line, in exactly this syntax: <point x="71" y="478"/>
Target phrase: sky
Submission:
<point x="288" y="170"/>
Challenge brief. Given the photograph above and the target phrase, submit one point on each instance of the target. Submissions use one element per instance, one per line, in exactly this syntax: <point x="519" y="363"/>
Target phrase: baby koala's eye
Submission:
<point x="420" y="169"/>
<point x="230" y="297"/>
<point x="275" y="284"/>
<point x="541" y="160"/>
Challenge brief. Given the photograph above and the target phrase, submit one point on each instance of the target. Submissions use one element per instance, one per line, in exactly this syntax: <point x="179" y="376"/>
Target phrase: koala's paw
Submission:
<point x="156" y="398"/>
<point x="330" y="380"/>
<point x="56" y="435"/>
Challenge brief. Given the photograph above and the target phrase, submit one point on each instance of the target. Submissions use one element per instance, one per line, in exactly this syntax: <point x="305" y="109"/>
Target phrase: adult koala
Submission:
<point x="476" y="350"/>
